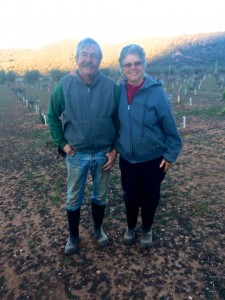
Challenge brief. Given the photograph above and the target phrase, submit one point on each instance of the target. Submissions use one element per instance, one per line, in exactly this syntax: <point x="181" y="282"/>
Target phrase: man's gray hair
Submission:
<point x="86" y="43"/>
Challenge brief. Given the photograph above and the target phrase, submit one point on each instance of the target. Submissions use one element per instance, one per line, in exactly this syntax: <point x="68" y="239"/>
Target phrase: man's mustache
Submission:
<point x="88" y="65"/>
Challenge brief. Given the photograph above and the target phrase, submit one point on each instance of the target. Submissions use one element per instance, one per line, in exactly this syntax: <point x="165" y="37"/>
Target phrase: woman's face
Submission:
<point x="133" y="69"/>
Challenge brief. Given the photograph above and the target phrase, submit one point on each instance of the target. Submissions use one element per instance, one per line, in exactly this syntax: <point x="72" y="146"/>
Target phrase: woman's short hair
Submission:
<point x="132" y="49"/>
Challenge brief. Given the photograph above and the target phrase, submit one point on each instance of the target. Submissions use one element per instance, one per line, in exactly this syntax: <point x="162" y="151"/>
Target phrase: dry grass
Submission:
<point x="187" y="258"/>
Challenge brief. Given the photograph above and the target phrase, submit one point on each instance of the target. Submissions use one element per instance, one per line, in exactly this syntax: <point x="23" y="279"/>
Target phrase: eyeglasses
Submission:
<point x="135" y="64"/>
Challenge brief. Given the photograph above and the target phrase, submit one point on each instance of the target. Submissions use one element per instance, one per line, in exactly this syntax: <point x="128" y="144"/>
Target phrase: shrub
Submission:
<point x="2" y="77"/>
<point x="223" y="97"/>
<point x="32" y="76"/>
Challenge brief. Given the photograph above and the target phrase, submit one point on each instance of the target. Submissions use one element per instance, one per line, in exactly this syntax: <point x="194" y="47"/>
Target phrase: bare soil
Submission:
<point x="186" y="260"/>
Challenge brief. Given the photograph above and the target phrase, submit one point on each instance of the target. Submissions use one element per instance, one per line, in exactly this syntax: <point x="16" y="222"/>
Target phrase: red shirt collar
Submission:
<point x="132" y="89"/>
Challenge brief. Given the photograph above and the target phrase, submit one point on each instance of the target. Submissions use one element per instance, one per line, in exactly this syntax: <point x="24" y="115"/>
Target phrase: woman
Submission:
<point x="148" y="141"/>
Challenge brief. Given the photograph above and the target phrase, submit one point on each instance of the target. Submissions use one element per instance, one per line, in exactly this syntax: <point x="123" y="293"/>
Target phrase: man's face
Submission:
<point x="88" y="62"/>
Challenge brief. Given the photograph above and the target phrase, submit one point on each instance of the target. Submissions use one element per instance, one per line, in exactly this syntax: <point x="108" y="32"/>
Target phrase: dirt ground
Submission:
<point x="186" y="260"/>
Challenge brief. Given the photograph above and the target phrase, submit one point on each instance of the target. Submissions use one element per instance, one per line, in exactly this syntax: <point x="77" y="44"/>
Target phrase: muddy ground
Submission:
<point x="186" y="260"/>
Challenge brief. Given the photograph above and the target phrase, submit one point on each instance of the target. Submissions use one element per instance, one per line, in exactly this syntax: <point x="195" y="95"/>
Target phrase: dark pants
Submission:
<point x="141" y="184"/>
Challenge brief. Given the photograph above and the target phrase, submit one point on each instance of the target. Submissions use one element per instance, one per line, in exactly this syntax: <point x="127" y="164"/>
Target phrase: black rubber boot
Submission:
<point x="98" y="212"/>
<point x="73" y="240"/>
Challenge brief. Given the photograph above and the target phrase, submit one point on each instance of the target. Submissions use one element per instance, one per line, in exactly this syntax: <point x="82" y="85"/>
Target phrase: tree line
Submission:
<point x="33" y="76"/>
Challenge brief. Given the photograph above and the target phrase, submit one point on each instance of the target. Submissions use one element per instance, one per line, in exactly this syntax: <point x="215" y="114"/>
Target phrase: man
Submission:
<point x="87" y="133"/>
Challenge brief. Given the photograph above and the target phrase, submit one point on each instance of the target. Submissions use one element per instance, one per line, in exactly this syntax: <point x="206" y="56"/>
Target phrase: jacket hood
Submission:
<point x="148" y="82"/>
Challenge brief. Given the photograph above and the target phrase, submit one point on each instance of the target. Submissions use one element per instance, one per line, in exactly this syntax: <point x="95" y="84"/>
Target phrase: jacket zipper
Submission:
<point x="89" y="103"/>
<point x="131" y="139"/>
<point x="129" y="106"/>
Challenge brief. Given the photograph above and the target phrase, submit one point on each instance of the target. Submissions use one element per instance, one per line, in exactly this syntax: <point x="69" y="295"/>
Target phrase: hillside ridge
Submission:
<point x="186" y="49"/>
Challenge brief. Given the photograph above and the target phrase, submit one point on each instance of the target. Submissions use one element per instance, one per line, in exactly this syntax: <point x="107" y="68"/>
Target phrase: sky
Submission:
<point x="33" y="24"/>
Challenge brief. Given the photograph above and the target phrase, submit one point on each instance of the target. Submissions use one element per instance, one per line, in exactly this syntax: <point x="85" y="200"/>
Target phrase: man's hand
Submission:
<point x="70" y="150"/>
<point x="165" y="164"/>
<point x="111" y="160"/>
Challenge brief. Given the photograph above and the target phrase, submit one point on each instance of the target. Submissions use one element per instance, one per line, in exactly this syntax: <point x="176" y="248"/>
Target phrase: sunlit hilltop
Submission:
<point x="198" y="49"/>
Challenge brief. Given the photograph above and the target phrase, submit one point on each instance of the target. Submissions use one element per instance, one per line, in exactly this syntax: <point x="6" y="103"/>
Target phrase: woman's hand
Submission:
<point x="165" y="164"/>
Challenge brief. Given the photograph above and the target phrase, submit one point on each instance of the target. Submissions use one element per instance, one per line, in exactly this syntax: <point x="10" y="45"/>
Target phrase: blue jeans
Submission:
<point x="78" y="167"/>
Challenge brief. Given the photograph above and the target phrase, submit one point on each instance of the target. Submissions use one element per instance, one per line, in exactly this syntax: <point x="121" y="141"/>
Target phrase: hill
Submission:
<point x="201" y="50"/>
